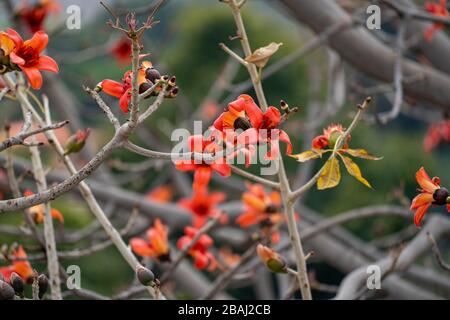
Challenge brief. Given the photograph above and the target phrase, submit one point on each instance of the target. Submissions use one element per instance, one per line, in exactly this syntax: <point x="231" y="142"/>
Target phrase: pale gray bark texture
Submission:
<point x="362" y="50"/>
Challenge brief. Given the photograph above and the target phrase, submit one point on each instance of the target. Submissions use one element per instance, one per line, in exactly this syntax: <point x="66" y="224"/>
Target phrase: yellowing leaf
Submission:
<point x="330" y="175"/>
<point x="361" y="153"/>
<point x="308" y="155"/>
<point x="354" y="170"/>
<point x="261" y="56"/>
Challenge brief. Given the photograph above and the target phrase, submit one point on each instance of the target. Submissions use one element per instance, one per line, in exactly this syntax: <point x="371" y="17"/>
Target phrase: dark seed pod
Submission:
<point x="6" y="291"/>
<point x="17" y="283"/>
<point x="242" y="123"/>
<point x="152" y="74"/>
<point x="43" y="285"/>
<point x="440" y="196"/>
<point x="144" y="87"/>
<point x="145" y="276"/>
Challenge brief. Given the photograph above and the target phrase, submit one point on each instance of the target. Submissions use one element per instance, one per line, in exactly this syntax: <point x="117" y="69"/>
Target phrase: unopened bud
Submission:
<point x="152" y="74"/>
<point x="440" y="196"/>
<point x="43" y="285"/>
<point x="17" y="283"/>
<point x="145" y="276"/>
<point x="98" y="87"/>
<point x="271" y="259"/>
<point x="144" y="87"/>
<point x="6" y="291"/>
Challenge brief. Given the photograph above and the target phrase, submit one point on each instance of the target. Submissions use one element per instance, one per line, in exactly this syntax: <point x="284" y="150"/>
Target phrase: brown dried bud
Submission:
<point x="17" y="283"/>
<point x="43" y="285"/>
<point x="6" y="291"/>
<point x="145" y="276"/>
<point x="440" y="196"/>
<point x="152" y="74"/>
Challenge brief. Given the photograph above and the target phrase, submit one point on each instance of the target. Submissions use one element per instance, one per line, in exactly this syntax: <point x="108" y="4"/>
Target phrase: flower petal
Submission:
<point x="425" y="182"/>
<point x="38" y="42"/>
<point x="421" y="199"/>
<point x="202" y="177"/>
<point x="34" y="77"/>
<point x="113" y="88"/>
<point x="420" y="213"/>
<point x="221" y="168"/>
<point x="48" y="64"/>
<point x="16" y="59"/>
<point x="124" y="101"/>
<point x="272" y="117"/>
<point x="15" y="36"/>
<point x="253" y="112"/>
<point x="6" y="43"/>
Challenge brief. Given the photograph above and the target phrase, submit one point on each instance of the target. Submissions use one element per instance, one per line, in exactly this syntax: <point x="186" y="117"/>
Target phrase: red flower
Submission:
<point x="161" y="194"/>
<point x="203" y="170"/>
<point x="258" y="126"/>
<point x="157" y="244"/>
<point x="430" y="194"/>
<point x="123" y="90"/>
<point x="38" y="211"/>
<point x="439" y="10"/>
<point x="199" y="251"/>
<point x="26" y="55"/>
<point x="34" y="15"/>
<point x="329" y="137"/>
<point x="20" y="265"/>
<point x="203" y="205"/>
<point x="121" y="50"/>
<point x="437" y="133"/>
<point x="261" y="208"/>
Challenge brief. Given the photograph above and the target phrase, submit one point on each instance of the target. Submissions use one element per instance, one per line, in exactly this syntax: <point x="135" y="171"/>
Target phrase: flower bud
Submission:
<point x="334" y="136"/>
<point x="144" y="87"/>
<point x="145" y="276"/>
<point x="273" y="261"/>
<point x="152" y="74"/>
<point x="42" y="284"/>
<point x="6" y="291"/>
<point x="440" y="196"/>
<point x="17" y="283"/>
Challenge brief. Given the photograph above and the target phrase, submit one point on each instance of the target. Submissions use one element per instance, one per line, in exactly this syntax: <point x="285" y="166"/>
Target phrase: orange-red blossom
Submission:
<point x="157" y="244"/>
<point x="17" y="54"/>
<point x="203" y="259"/>
<point x="431" y="193"/>
<point x="20" y="265"/>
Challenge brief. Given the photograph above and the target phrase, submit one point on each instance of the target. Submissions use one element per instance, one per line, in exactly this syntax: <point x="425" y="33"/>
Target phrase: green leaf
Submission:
<point x="308" y="155"/>
<point x="361" y="153"/>
<point x="330" y="176"/>
<point x="354" y="170"/>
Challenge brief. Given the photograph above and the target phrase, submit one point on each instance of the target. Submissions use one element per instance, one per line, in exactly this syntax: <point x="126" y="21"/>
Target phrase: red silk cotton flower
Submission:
<point x="121" y="50"/>
<point x="157" y="244"/>
<point x="34" y="15"/>
<point x="329" y="137"/>
<point x="26" y="55"/>
<point x="437" y="133"/>
<point x="203" y="169"/>
<point x="431" y="193"/>
<point x="202" y="205"/>
<point x="439" y="10"/>
<point x="20" y="265"/>
<point x="122" y="90"/>
<point x="257" y="126"/>
<point x="203" y="259"/>
<point x="261" y="208"/>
